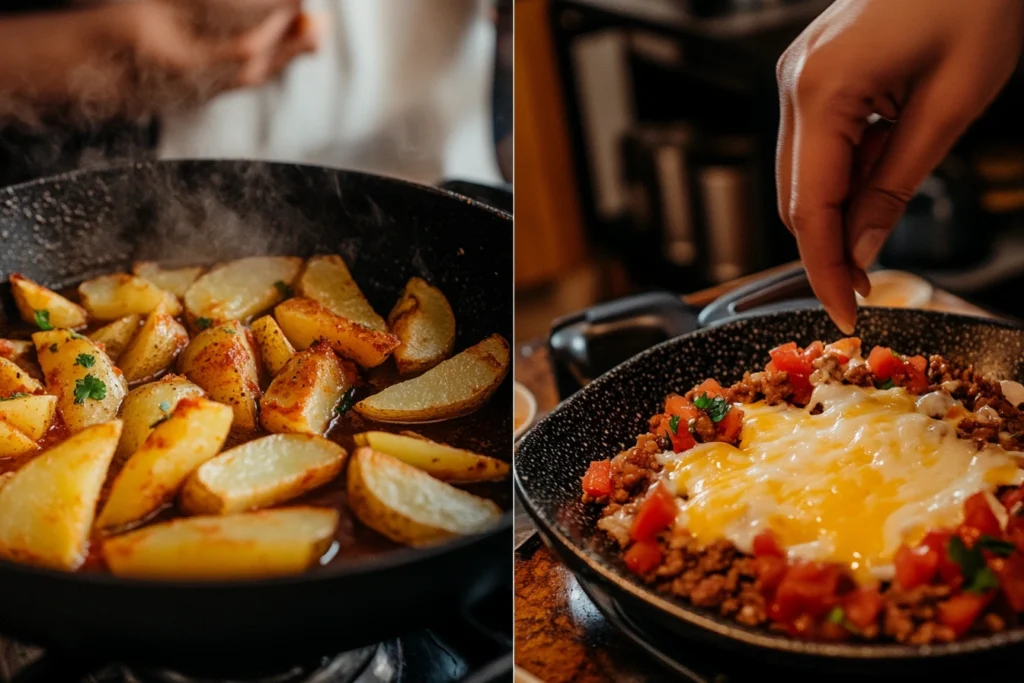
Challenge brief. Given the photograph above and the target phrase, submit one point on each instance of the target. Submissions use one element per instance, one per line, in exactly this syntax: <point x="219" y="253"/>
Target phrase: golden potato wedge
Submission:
<point x="14" y="379"/>
<point x="16" y="350"/>
<point x="425" y="323"/>
<point x="303" y="396"/>
<point x="154" y="348"/>
<point x="327" y="281"/>
<point x="436" y="459"/>
<point x="14" y="442"/>
<point x="32" y="415"/>
<point x="46" y="309"/>
<point x="240" y="289"/>
<point x="456" y="387"/>
<point x="408" y="505"/>
<point x="275" y="349"/>
<point x="148" y="406"/>
<point x="110" y="297"/>
<point x="89" y="389"/>
<point x="249" y="545"/>
<point x="116" y="336"/>
<point x="261" y="474"/>
<point x="304" y="321"/>
<point x="47" y="508"/>
<point x="222" y="361"/>
<point x="173" y="280"/>
<point x="194" y="433"/>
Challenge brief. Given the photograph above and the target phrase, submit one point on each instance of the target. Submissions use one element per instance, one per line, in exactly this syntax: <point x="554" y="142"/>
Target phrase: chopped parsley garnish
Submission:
<point x="716" y="408"/>
<point x="978" y="578"/>
<point x="43" y="320"/>
<point x="13" y="397"/>
<point x="996" y="546"/>
<point x="203" y="323"/>
<point x="85" y="360"/>
<point x="673" y="424"/>
<point x="348" y="400"/>
<point x="836" y="615"/>
<point x="984" y="581"/>
<point x="887" y="384"/>
<point x="88" y="387"/>
<point x="53" y="348"/>
<point x="229" y="330"/>
<point x="285" y="290"/>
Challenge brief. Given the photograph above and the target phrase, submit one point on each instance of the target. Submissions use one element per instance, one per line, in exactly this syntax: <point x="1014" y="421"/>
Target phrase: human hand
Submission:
<point x="932" y="66"/>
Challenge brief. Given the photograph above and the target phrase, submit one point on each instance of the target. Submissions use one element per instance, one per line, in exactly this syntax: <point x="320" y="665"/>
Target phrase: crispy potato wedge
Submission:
<point x="222" y="361"/>
<point x="275" y="349"/>
<point x="425" y="323"/>
<point x="456" y="387"/>
<point x="173" y="280"/>
<point x="436" y="459"/>
<point x="89" y="389"/>
<point x="147" y="406"/>
<point x="15" y="379"/>
<point x="116" y="336"/>
<point x="408" y="505"/>
<point x="240" y="289"/>
<point x="31" y="297"/>
<point x="261" y="474"/>
<point x="32" y="415"/>
<point x="194" y="433"/>
<point x="154" y="348"/>
<point x="110" y="297"/>
<point x="303" y="396"/>
<point x="304" y="321"/>
<point x="14" y="442"/>
<point x="327" y="281"/>
<point x="249" y="545"/>
<point x="47" y="508"/>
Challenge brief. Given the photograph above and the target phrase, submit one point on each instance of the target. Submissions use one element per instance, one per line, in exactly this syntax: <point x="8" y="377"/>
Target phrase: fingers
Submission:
<point x="784" y="148"/>
<point x="260" y="54"/>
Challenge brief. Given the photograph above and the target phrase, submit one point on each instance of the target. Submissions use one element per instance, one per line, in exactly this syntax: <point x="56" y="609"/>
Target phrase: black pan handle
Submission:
<point x="495" y="196"/>
<point x="783" y="291"/>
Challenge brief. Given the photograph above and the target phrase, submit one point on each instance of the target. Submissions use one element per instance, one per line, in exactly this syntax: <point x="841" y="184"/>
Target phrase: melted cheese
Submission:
<point x="847" y="485"/>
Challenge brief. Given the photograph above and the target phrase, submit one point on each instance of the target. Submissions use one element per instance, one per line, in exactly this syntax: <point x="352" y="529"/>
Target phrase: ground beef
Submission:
<point x="826" y="369"/>
<point x="632" y="470"/>
<point x="772" y="387"/>
<point x="703" y="428"/>
<point x="860" y="375"/>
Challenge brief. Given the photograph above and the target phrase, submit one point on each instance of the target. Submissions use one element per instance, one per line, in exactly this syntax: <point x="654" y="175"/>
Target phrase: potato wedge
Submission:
<point x="47" y="508"/>
<point x="261" y="474"/>
<point x="14" y="442"/>
<point x="302" y="398"/>
<point x="14" y="379"/>
<point x="304" y="321"/>
<point x="110" y="297"/>
<point x="32" y="415"/>
<point x="250" y="545"/>
<point x="89" y="389"/>
<point x="436" y="459"/>
<point x="154" y="348"/>
<point x="425" y="323"/>
<point x="222" y="361"/>
<point x="173" y="280"/>
<point x="456" y="387"/>
<point x="275" y="349"/>
<point x="408" y="505"/>
<point x="31" y="298"/>
<point x="116" y="336"/>
<point x="147" y="406"/>
<point x="16" y="350"/>
<point x="327" y="281"/>
<point x="240" y="289"/>
<point x="194" y="433"/>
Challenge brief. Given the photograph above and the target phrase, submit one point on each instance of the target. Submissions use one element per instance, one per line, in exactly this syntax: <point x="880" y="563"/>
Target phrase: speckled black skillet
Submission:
<point x="606" y="416"/>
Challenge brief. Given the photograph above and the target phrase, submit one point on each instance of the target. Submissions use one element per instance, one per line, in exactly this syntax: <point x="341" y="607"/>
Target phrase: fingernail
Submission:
<point x="867" y="247"/>
<point x="844" y="323"/>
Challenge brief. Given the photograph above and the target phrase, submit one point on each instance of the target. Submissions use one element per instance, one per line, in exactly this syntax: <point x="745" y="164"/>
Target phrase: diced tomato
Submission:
<point x="597" y="482"/>
<point x="643" y="557"/>
<point x="978" y="515"/>
<point x="770" y="367"/>
<point x="678" y="405"/>
<point x="915" y="566"/>
<point x="846" y="348"/>
<point x="1012" y="498"/>
<point x="656" y="513"/>
<point x="884" y="363"/>
<point x="710" y="387"/>
<point x="802" y="388"/>
<point x="765" y="544"/>
<point x="961" y="611"/>
<point x="682" y="440"/>
<point x="917" y="381"/>
<point x="731" y="425"/>
<point x="919" y="363"/>
<point x="1010" y="571"/>
<point x="770" y="572"/>
<point x="862" y="606"/>
<point x="948" y="570"/>
<point x="807" y="588"/>
<point x="1015" y="531"/>
<point x="790" y="358"/>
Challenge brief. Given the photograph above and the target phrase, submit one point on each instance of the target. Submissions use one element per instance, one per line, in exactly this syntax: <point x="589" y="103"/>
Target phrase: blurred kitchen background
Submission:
<point x="645" y="160"/>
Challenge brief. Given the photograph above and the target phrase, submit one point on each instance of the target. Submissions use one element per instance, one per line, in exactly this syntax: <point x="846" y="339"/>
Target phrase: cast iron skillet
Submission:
<point x="605" y="417"/>
<point x="61" y="230"/>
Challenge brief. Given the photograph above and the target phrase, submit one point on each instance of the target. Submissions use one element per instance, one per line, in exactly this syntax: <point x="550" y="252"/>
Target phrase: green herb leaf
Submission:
<point x="229" y="330"/>
<point x="15" y="396"/>
<point x="43" y="320"/>
<point x="53" y="348"/>
<point x="887" y="384"/>
<point x="285" y="290"/>
<point x="983" y="581"/>
<point x="165" y="407"/>
<point x="85" y="360"/>
<point x="347" y="401"/>
<point x="996" y="546"/>
<point x="673" y="424"/>
<point x="88" y="387"/>
<point x="716" y="408"/>
<point x="203" y="323"/>
<point x="836" y="615"/>
<point x="977" y="577"/>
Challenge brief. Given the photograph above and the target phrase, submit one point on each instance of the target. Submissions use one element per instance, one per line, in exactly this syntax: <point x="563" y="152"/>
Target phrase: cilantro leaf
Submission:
<point x="887" y="384"/>
<point x="88" y="387"/>
<point x="983" y="581"/>
<point x="348" y="400"/>
<point x="996" y="546"/>
<point x="15" y="396"/>
<point x="85" y="360"/>
<point x="203" y="323"/>
<point x="978" y="578"/>
<point x="716" y="408"/>
<point x="836" y="615"/>
<point x="43" y="320"/>
<point x="673" y="424"/>
<point x="284" y="289"/>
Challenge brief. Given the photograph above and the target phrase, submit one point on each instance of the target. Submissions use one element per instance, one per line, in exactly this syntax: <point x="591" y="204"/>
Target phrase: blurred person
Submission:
<point x="925" y="69"/>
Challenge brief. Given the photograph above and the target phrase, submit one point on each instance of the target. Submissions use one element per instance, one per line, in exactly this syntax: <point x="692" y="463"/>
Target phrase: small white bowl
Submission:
<point x="524" y="410"/>
<point x="897" y="289"/>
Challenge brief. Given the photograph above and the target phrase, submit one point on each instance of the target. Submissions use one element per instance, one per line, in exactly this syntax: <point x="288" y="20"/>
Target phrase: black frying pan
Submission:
<point x="61" y="230"/>
<point x="605" y="416"/>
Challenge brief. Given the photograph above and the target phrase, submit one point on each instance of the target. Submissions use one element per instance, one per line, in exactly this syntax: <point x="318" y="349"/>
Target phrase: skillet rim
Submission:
<point x="356" y="567"/>
<point x="713" y="625"/>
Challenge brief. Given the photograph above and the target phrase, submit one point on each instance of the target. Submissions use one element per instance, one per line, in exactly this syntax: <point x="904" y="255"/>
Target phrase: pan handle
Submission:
<point x="495" y="196"/>
<point x="785" y="290"/>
